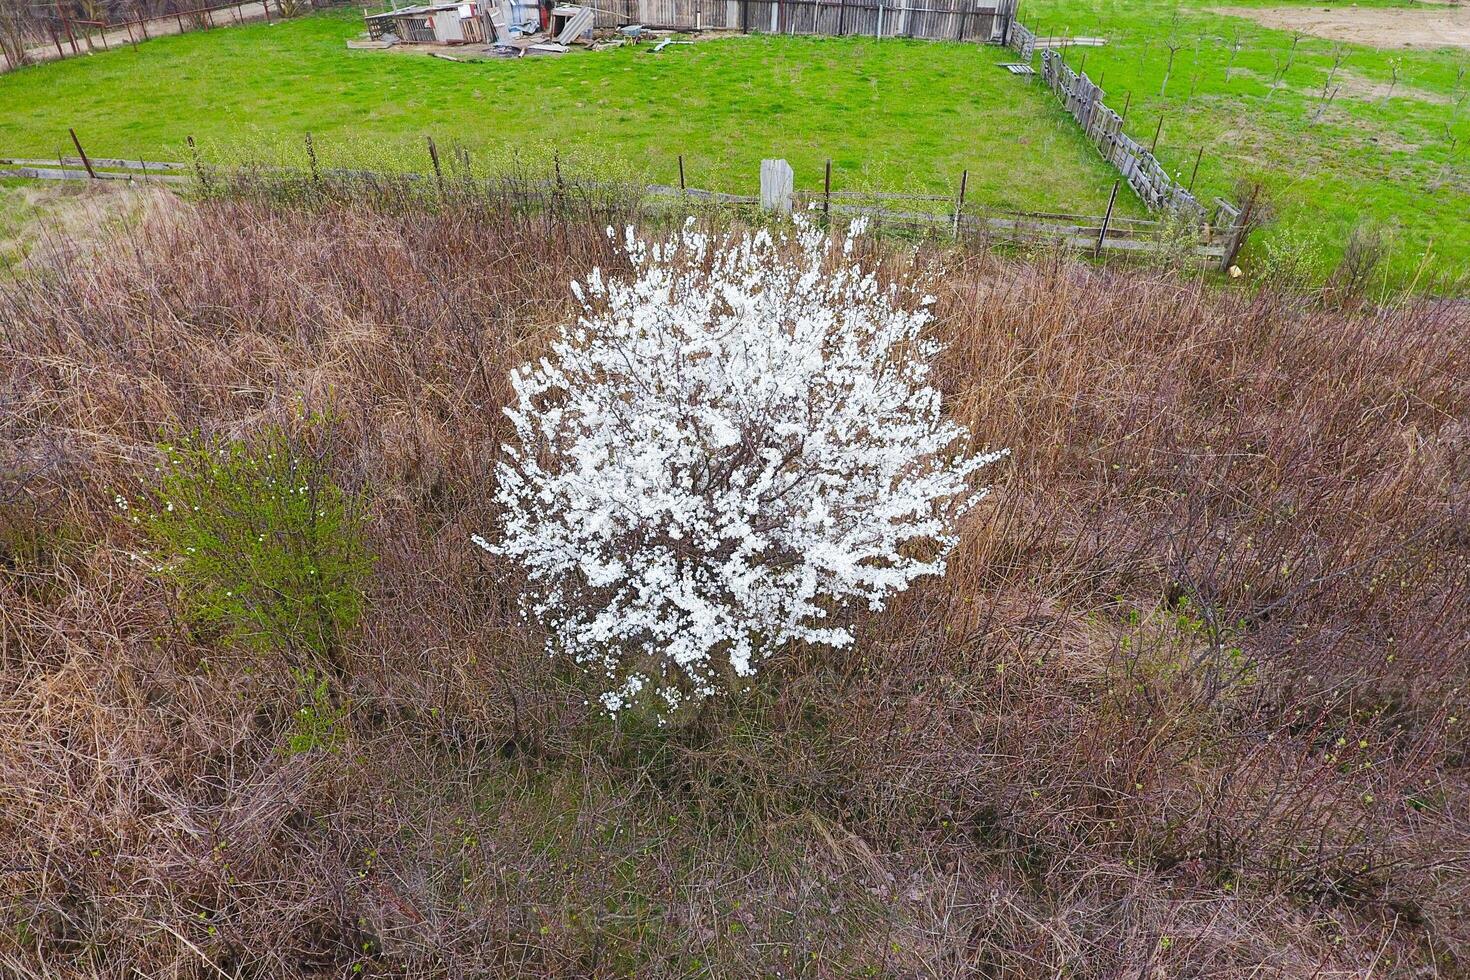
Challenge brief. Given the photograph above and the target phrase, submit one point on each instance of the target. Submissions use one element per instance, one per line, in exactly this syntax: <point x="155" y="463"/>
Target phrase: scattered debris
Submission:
<point x="502" y="29"/>
<point x="570" y="22"/>
<point x="1019" y="69"/>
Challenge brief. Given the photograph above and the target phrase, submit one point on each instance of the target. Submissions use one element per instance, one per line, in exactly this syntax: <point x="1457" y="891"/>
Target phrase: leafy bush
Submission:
<point x="721" y="454"/>
<point x="259" y="542"/>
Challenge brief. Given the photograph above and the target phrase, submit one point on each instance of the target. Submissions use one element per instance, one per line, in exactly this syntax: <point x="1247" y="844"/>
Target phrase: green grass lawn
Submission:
<point x="1400" y="161"/>
<point x="892" y="115"/>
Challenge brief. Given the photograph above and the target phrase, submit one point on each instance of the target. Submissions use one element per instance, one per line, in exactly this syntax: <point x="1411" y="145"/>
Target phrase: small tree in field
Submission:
<point x="721" y="454"/>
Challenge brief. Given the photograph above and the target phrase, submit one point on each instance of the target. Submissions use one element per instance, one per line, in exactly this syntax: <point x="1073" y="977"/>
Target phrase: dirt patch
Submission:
<point x="1353" y="86"/>
<point x="1437" y="26"/>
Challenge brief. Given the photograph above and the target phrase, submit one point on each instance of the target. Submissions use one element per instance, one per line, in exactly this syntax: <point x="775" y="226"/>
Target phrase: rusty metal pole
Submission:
<point x="827" y="194"/>
<point x="83" y="154"/>
<point x="438" y="171"/>
<point x="1107" y="218"/>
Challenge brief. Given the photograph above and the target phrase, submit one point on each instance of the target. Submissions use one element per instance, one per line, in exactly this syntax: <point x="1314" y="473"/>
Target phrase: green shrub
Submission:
<point x="260" y="543"/>
<point x="316" y="723"/>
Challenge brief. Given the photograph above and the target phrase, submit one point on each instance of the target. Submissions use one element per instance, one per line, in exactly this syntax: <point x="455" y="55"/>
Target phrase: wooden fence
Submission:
<point x="949" y="216"/>
<point x="71" y="37"/>
<point x="939" y="20"/>
<point x="1020" y="39"/>
<point x="1083" y="99"/>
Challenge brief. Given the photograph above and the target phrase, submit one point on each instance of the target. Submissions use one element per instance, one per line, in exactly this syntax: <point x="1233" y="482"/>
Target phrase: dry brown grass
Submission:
<point x="1182" y="707"/>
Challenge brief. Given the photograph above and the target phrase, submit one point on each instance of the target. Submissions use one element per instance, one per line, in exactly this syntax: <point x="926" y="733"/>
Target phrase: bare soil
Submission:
<point x="1382" y="27"/>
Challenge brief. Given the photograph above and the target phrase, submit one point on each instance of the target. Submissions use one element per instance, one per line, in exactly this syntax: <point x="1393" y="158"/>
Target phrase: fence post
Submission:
<point x="83" y="154"/>
<point x="438" y="171"/>
<point x="1238" y="233"/>
<point x="777" y="185"/>
<point x="142" y="24"/>
<point x="827" y="196"/>
<point x="682" y="186"/>
<point x="960" y="202"/>
<point x="1194" y="173"/>
<point x="57" y="41"/>
<point x="1107" y="217"/>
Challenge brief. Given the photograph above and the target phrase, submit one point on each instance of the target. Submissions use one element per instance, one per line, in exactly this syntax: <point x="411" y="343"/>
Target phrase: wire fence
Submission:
<point x="451" y="182"/>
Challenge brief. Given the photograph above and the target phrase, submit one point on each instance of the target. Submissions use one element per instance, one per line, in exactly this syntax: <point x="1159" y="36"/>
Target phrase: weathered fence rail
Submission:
<point x="1083" y="100"/>
<point x="946" y="215"/>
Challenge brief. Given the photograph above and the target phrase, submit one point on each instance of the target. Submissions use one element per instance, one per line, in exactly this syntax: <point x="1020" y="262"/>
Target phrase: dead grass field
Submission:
<point x="1191" y="700"/>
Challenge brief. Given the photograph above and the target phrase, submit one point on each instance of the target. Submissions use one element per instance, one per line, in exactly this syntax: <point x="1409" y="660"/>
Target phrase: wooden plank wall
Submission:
<point x="1083" y="99"/>
<point x="939" y="20"/>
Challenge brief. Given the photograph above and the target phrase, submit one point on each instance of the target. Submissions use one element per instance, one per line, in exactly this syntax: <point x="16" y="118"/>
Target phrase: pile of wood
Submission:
<point x="510" y="28"/>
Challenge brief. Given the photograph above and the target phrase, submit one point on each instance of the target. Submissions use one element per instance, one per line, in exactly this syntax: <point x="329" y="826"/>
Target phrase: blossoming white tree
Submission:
<point x="724" y="451"/>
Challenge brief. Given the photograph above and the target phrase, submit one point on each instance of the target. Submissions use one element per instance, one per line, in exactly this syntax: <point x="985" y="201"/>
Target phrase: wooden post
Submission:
<point x="434" y="158"/>
<point x="1127" y="101"/>
<point x="1237" y="234"/>
<point x="827" y="195"/>
<point x="265" y="6"/>
<point x="681" y="173"/>
<point x="1157" y="130"/>
<point x="777" y="185"/>
<point x="83" y="154"/>
<point x="142" y="24"/>
<point x="842" y="19"/>
<point x="959" y="206"/>
<point x="1198" y="156"/>
<point x="57" y="41"/>
<point x="70" y="37"/>
<point x="1108" y="217"/>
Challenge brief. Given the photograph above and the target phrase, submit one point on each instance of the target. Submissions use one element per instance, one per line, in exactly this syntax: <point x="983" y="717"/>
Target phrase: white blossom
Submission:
<point x="725" y="452"/>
